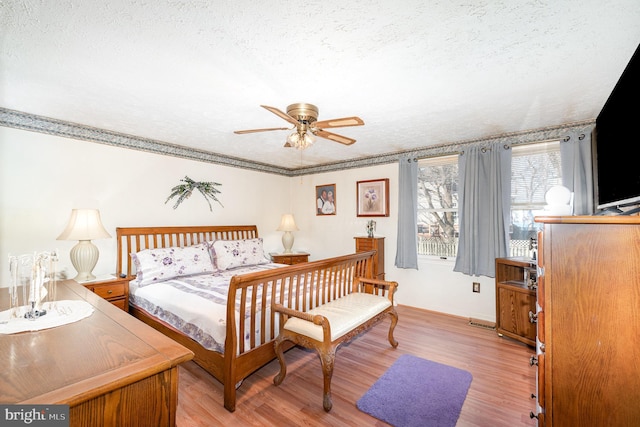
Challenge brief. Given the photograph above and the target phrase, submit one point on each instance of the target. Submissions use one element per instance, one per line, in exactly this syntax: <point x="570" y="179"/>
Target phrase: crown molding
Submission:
<point x="34" y="123"/>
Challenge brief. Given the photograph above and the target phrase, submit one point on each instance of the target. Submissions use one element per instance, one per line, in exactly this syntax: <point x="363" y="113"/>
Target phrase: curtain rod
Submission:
<point x="506" y="146"/>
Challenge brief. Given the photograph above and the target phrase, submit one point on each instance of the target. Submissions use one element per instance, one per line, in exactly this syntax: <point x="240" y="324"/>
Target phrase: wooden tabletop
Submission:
<point x="76" y="362"/>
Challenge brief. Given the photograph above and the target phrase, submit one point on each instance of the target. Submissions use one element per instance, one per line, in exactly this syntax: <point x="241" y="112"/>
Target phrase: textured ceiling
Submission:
<point x="418" y="72"/>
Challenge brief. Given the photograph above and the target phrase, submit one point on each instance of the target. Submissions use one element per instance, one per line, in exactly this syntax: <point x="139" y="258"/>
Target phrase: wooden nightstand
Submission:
<point x="294" y="258"/>
<point x="114" y="289"/>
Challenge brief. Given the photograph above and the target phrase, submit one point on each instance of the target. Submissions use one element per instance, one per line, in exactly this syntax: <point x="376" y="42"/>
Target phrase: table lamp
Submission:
<point x="287" y="224"/>
<point x="84" y="225"/>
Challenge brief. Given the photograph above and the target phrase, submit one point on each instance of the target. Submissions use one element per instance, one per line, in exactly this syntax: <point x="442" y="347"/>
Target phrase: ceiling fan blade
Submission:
<point x="334" y="137"/>
<point x="239" y="132"/>
<point x="280" y="114"/>
<point x="338" y="123"/>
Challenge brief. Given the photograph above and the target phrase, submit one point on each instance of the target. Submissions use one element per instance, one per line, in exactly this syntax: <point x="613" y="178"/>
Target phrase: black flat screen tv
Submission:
<point x="616" y="166"/>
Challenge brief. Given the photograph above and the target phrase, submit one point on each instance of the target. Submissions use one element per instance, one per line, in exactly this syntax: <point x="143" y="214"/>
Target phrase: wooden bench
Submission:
<point x="326" y="326"/>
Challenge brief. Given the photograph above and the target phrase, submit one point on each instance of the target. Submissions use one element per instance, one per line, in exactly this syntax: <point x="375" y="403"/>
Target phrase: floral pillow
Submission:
<point x="236" y="253"/>
<point x="156" y="265"/>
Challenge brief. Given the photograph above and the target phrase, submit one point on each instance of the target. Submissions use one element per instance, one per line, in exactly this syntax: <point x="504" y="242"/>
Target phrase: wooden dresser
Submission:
<point x="364" y="244"/>
<point x="588" y="321"/>
<point x="110" y="368"/>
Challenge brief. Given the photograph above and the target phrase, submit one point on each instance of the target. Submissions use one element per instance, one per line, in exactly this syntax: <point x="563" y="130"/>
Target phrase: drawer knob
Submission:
<point x="110" y="291"/>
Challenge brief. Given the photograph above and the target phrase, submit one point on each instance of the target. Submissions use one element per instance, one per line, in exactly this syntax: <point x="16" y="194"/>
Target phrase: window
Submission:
<point x="534" y="169"/>
<point x="438" y="206"/>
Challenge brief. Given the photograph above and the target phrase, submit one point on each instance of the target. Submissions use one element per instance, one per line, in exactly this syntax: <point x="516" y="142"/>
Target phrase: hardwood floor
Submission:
<point x="500" y="393"/>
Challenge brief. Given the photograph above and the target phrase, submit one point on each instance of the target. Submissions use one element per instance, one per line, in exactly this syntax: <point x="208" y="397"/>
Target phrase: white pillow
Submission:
<point x="236" y="253"/>
<point x="156" y="265"/>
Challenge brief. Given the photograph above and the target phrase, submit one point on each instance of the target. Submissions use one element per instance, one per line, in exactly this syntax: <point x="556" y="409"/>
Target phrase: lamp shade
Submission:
<point x="287" y="223"/>
<point x="84" y="224"/>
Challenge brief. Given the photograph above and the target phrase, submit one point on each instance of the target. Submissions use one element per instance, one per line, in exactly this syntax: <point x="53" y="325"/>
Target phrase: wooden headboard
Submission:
<point x="134" y="239"/>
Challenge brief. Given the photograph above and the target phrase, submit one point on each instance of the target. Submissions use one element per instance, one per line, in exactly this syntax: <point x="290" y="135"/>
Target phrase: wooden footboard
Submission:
<point x="250" y="297"/>
<point x="303" y="286"/>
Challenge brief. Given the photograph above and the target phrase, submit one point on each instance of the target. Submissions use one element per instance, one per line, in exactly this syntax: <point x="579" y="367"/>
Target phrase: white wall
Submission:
<point x="434" y="286"/>
<point x="42" y="177"/>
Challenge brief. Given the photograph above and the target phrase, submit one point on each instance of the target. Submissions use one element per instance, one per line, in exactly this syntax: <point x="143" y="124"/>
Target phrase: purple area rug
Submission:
<point x="417" y="392"/>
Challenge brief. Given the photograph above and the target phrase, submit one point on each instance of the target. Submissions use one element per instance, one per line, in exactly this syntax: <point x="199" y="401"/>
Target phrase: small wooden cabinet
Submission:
<point x="115" y="290"/>
<point x="290" y="259"/>
<point x="516" y="299"/>
<point x="364" y="244"/>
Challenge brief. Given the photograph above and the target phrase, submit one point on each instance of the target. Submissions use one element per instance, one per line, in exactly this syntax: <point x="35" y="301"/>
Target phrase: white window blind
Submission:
<point x="534" y="169"/>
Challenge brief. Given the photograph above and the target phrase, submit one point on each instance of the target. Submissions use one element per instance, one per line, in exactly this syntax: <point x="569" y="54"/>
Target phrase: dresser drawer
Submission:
<point x="120" y="303"/>
<point x="290" y="259"/>
<point x="364" y="245"/>
<point x="110" y="291"/>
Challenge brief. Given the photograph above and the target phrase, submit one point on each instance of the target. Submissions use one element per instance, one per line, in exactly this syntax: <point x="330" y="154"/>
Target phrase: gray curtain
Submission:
<point x="407" y="243"/>
<point x="484" y="204"/>
<point x="577" y="173"/>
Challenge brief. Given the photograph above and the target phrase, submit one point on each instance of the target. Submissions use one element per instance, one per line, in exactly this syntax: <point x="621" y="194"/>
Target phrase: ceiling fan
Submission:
<point x="304" y="119"/>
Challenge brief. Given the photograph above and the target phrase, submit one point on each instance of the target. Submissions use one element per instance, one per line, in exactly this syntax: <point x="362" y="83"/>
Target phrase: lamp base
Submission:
<point x="84" y="257"/>
<point x="287" y="242"/>
<point x="84" y="277"/>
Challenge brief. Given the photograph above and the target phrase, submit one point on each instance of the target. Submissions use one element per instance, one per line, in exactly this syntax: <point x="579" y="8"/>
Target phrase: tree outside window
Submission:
<point x="534" y="169"/>
<point x="438" y="206"/>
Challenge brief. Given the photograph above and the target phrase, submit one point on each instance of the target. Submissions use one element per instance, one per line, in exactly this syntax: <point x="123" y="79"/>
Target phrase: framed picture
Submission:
<point x="373" y="197"/>
<point x="326" y="199"/>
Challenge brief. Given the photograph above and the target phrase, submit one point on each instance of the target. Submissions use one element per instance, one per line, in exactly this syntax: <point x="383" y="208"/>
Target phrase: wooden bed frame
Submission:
<point x="335" y="276"/>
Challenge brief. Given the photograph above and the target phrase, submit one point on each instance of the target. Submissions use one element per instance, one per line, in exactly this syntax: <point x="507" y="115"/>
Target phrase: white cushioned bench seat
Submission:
<point x="344" y="314"/>
<point x="367" y="302"/>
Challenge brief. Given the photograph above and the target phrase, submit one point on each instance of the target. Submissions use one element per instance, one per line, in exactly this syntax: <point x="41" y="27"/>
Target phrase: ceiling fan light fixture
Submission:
<point x="304" y="117"/>
<point x="300" y="140"/>
<point x="308" y="138"/>
<point x="294" y="139"/>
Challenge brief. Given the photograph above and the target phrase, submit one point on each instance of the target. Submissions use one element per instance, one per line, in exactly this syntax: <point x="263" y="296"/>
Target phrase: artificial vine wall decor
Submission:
<point x="184" y="191"/>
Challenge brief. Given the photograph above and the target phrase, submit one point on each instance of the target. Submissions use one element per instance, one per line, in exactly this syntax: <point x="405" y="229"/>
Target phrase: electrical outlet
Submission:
<point x="476" y="287"/>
